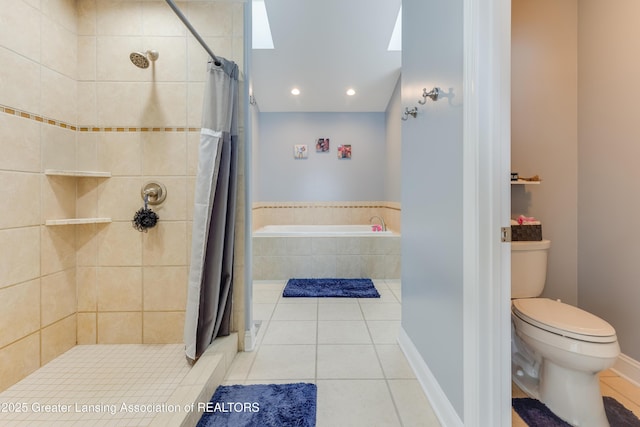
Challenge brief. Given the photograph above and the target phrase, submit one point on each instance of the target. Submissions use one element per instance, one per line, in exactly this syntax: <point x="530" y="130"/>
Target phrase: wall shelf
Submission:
<point x="525" y="182"/>
<point x="77" y="174"/>
<point x="77" y="221"/>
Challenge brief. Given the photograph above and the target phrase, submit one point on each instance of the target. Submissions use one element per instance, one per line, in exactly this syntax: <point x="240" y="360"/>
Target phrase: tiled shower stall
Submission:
<point x="70" y="100"/>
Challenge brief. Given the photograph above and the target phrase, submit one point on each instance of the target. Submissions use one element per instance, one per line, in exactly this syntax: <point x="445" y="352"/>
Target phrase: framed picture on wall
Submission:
<point x="322" y="145"/>
<point x="344" y="151"/>
<point x="300" y="151"/>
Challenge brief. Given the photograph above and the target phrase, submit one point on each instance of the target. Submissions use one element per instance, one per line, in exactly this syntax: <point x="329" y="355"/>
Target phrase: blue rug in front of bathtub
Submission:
<point x="536" y="414"/>
<point x="328" y="288"/>
<point x="264" y="405"/>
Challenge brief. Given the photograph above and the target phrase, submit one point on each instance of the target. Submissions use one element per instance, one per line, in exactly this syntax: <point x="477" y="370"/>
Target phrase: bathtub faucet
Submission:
<point x="384" y="226"/>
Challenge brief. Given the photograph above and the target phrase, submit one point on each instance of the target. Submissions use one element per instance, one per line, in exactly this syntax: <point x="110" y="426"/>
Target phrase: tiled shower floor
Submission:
<point x="116" y="385"/>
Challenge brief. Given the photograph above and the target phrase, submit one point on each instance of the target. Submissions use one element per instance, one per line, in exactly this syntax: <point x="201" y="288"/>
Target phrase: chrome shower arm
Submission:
<point x="186" y="22"/>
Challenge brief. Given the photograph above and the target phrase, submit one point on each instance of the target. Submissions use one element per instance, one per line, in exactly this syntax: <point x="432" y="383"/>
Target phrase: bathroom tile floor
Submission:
<point x="611" y="384"/>
<point x="346" y="346"/>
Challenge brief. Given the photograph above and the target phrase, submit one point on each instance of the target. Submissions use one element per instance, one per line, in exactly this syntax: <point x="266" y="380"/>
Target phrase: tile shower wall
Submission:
<point x="38" y="99"/>
<point x="70" y="99"/>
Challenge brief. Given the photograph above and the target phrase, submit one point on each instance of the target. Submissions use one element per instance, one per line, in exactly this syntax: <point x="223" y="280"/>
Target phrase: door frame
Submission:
<point x="487" y="205"/>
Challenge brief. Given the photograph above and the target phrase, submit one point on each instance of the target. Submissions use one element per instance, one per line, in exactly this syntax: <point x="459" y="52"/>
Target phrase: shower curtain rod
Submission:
<point x="186" y="22"/>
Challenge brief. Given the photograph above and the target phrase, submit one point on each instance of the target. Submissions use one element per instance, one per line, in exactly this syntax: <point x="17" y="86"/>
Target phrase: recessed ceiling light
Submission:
<point x="351" y="92"/>
<point x="295" y="91"/>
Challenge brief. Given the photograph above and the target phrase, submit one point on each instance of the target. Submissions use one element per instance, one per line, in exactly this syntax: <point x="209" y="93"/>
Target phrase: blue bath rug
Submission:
<point x="264" y="405"/>
<point x="536" y="414"/>
<point x="326" y="288"/>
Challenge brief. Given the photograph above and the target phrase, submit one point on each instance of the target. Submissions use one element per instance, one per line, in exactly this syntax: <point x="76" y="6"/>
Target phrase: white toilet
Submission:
<point x="557" y="350"/>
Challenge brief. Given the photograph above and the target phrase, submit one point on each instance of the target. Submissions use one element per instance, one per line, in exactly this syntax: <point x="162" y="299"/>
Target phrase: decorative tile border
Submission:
<point x="30" y="116"/>
<point x="319" y="206"/>
<point x="328" y="205"/>
<point x="52" y="122"/>
<point x="141" y="129"/>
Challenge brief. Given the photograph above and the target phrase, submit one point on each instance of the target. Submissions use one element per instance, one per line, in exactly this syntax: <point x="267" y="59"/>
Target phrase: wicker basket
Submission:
<point x="521" y="233"/>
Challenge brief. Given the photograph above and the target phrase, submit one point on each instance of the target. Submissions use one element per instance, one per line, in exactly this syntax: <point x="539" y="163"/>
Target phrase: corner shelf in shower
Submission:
<point x="77" y="221"/>
<point x="77" y="174"/>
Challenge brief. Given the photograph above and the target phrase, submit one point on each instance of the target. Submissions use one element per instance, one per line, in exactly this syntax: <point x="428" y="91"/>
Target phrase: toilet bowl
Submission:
<point x="560" y="350"/>
<point x="557" y="349"/>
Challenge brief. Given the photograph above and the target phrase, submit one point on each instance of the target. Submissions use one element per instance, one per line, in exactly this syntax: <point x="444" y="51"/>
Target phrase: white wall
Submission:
<point x="544" y="130"/>
<point x="432" y="282"/>
<point x="322" y="176"/>
<point x="609" y="150"/>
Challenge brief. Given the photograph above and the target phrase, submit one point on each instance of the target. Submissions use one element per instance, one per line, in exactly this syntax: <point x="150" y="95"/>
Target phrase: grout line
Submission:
<point x="317" y="341"/>
<point x="384" y="374"/>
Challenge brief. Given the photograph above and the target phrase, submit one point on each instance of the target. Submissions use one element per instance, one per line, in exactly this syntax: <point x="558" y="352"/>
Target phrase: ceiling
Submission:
<point x="324" y="47"/>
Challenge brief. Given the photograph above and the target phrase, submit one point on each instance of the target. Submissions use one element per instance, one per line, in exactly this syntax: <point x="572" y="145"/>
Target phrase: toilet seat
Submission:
<point x="563" y="319"/>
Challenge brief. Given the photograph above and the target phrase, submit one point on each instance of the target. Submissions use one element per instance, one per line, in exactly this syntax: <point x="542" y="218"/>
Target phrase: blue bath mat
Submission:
<point x="325" y="288"/>
<point x="264" y="405"/>
<point x="536" y="414"/>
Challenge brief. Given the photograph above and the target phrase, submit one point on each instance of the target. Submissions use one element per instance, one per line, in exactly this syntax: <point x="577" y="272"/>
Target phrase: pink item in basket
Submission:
<point x="526" y="220"/>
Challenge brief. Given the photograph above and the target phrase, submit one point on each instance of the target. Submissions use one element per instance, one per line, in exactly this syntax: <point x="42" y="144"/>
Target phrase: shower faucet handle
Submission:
<point x="154" y="192"/>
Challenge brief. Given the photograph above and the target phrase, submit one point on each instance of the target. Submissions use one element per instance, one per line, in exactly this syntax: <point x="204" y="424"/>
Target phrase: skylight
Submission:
<point x="396" y="36"/>
<point x="261" y="32"/>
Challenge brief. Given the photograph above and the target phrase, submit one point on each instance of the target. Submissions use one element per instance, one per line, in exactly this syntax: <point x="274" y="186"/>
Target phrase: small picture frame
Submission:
<point x="300" y="151"/>
<point x="344" y="151"/>
<point x="322" y="145"/>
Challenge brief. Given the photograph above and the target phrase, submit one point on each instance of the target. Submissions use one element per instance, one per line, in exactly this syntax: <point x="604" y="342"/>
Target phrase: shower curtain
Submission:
<point x="210" y="285"/>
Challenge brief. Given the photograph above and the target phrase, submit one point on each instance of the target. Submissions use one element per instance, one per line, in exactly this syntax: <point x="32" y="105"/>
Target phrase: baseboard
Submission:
<point x="442" y="407"/>
<point x="628" y="368"/>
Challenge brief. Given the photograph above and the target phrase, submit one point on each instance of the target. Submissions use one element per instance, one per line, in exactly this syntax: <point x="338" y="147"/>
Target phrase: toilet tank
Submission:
<point x="528" y="268"/>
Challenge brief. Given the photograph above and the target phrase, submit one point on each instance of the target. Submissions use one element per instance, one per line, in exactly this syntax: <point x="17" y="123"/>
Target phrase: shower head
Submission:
<point x="141" y="60"/>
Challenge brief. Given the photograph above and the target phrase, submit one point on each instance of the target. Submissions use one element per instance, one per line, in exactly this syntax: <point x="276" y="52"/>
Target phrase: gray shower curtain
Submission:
<point x="210" y="286"/>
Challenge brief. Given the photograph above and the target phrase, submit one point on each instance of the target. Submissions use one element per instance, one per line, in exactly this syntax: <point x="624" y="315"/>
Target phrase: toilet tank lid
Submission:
<point x="563" y="319"/>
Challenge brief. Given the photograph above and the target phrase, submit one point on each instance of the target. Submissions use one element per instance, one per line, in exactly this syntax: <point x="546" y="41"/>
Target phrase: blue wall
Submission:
<point x="322" y="176"/>
<point x="432" y="198"/>
<point x="393" y="174"/>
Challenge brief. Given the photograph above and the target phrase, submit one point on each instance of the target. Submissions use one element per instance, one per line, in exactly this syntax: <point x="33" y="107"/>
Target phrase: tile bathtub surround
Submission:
<point x="362" y="376"/>
<point x="351" y="257"/>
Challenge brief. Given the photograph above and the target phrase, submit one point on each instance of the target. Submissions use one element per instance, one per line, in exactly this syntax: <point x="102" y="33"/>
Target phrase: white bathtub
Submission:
<point x="319" y="230"/>
<point x="282" y="252"/>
